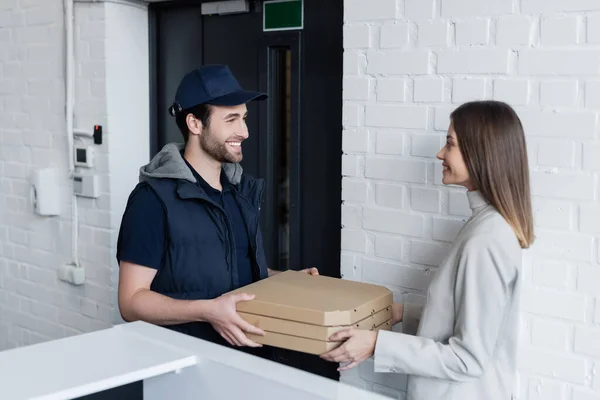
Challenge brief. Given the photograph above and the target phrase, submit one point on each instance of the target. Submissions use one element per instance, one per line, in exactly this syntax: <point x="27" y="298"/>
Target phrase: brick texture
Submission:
<point x="541" y="57"/>
<point x="34" y="304"/>
<point x="32" y="83"/>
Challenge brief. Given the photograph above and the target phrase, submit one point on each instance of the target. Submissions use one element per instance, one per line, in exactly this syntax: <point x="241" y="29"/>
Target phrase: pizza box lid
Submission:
<point x="318" y="300"/>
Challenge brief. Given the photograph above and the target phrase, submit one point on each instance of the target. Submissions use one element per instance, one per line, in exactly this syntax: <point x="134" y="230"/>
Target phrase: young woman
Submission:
<point x="466" y="344"/>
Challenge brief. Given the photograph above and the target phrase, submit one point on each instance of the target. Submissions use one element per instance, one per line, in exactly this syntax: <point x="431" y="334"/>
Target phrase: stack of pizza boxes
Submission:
<point x="300" y="312"/>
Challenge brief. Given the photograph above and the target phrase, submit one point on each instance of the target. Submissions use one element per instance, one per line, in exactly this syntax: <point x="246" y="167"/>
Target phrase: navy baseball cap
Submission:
<point x="211" y="84"/>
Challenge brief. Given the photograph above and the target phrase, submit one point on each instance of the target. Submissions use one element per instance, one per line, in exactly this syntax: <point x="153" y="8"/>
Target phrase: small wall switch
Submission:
<point x="72" y="274"/>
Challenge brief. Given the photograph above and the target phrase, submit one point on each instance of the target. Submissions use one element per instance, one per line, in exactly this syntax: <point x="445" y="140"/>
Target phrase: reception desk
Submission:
<point x="170" y="365"/>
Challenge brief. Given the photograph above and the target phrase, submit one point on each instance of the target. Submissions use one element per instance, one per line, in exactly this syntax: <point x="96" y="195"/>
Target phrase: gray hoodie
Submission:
<point x="168" y="163"/>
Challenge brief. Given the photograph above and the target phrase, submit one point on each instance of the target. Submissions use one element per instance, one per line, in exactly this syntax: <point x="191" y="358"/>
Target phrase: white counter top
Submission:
<point x="172" y="365"/>
<point x="84" y="364"/>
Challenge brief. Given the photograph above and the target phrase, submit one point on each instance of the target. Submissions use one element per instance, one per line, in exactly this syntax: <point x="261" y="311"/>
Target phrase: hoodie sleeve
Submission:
<point x="483" y="291"/>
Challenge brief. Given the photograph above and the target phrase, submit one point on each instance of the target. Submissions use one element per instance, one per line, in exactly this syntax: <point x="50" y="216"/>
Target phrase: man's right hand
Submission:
<point x="225" y="320"/>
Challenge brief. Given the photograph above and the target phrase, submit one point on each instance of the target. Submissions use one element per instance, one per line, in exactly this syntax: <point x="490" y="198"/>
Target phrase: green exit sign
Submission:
<point x="283" y="15"/>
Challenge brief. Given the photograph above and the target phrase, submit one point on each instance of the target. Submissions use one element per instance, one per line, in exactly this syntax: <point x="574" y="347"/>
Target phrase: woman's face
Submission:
<point x="455" y="170"/>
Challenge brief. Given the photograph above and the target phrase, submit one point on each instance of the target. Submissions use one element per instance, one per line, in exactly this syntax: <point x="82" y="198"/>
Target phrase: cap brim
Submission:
<point x="237" y="98"/>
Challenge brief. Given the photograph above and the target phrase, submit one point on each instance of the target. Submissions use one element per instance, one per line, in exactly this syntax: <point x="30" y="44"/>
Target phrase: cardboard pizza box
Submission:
<point x="311" y="331"/>
<point x="302" y="344"/>
<point x="317" y="300"/>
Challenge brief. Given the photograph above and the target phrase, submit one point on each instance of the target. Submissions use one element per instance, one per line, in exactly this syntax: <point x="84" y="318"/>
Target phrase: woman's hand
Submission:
<point x="358" y="346"/>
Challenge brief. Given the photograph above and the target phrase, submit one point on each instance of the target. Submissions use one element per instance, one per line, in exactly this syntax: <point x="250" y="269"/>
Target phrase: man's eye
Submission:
<point x="230" y="121"/>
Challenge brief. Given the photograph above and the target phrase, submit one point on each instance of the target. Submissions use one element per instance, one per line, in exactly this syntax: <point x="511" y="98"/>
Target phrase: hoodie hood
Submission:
<point x="169" y="164"/>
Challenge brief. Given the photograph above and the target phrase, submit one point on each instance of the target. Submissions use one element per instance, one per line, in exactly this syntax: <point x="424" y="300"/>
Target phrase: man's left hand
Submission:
<point x="358" y="346"/>
<point x="310" y="271"/>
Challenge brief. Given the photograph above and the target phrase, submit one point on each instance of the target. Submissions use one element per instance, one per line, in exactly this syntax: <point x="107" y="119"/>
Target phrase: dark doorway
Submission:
<point x="295" y="139"/>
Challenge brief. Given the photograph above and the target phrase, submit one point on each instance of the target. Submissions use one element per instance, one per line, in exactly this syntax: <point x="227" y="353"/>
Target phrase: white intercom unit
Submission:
<point x="44" y="191"/>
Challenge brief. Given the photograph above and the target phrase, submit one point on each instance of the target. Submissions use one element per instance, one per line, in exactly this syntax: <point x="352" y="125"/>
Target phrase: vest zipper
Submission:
<point x="260" y="193"/>
<point x="254" y="243"/>
<point x="228" y="233"/>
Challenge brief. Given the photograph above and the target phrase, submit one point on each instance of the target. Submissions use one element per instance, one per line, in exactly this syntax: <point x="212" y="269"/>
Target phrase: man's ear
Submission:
<point x="194" y="125"/>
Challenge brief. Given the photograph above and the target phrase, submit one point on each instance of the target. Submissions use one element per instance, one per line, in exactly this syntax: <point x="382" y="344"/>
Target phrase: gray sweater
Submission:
<point x="466" y="344"/>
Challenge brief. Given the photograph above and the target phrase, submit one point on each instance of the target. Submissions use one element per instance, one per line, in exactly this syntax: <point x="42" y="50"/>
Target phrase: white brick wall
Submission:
<point x="34" y="305"/>
<point x="32" y="300"/>
<point x="472" y="32"/>
<point x="407" y="65"/>
<point x="540" y="56"/>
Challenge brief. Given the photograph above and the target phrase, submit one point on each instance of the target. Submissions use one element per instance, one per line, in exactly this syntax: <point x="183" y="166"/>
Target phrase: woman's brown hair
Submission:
<point x="492" y="143"/>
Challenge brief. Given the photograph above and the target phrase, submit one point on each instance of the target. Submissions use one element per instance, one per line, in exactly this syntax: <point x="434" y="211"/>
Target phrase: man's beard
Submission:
<point x="216" y="149"/>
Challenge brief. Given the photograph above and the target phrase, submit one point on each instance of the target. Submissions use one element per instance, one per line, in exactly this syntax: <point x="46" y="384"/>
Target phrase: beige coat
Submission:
<point x="466" y="344"/>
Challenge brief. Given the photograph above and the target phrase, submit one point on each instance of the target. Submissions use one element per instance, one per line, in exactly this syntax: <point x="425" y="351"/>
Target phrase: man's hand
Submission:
<point x="225" y="319"/>
<point x="310" y="271"/>
<point x="358" y="346"/>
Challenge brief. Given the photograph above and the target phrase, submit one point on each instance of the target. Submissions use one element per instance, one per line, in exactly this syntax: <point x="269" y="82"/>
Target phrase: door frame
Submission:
<point x="267" y="83"/>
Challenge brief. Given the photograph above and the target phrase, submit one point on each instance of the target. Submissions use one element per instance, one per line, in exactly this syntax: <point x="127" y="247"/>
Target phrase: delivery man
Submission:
<point x="190" y="232"/>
